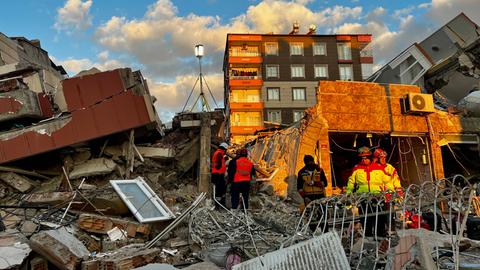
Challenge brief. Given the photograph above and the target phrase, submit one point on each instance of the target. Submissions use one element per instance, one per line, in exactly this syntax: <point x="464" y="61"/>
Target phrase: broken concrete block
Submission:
<point x="13" y="249"/>
<point x="156" y="152"/>
<point x="81" y="157"/>
<point x="60" y="248"/>
<point x="267" y="189"/>
<point x="125" y="258"/>
<point x="10" y="220"/>
<point x="98" y="166"/>
<point x="49" y="198"/>
<point x="102" y="224"/>
<point x="28" y="228"/>
<point x="117" y="234"/>
<point x="16" y="181"/>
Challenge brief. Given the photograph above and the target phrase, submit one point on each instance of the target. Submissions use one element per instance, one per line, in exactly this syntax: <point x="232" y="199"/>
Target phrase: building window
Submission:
<point x="346" y="73"/>
<point x="319" y="48"/>
<point x="275" y="116"/>
<point x="367" y="70"/>
<point x="321" y="71"/>
<point x="272" y="71"/>
<point x="273" y="94"/>
<point x="271" y="48"/>
<point x="296" y="48"/>
<point x="298" y="93"/>
<point x="410" y="70"/>
<point x="298" y="71"/>
<point x="297" y="115"/>
<point x="344" y="51"/>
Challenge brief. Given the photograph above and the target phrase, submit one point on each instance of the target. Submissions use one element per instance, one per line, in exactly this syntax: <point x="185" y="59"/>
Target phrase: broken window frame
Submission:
<point x="149" y="193"/>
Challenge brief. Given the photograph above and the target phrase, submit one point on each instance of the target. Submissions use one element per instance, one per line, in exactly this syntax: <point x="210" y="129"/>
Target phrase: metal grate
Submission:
<point x="322" y="252"/>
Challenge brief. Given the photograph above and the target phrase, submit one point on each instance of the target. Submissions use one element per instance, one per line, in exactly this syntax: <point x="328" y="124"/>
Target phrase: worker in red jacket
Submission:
<point x="219" y="169"/>
<point x="240" y="173"/>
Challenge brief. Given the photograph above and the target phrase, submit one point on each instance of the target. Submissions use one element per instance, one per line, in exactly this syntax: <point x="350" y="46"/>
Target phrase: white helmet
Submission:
<point x="224" y="145"/>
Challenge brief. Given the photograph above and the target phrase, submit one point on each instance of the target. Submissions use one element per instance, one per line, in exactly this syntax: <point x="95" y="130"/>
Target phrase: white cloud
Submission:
<point x="103" y="63"/>
<point x="163" y="42"/>
<point x="425" y="5"/>
<point x="387" y="43"/>
<point x="441" y="11"/>
<point x="74" y="16"/>
<point x="403" y="11"/>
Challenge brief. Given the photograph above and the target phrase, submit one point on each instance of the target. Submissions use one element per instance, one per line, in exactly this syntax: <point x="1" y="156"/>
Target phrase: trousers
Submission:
<point x="237" y="189"/>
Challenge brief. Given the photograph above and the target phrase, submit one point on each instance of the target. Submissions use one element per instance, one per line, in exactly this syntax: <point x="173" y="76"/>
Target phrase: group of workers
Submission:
<point x="371" y="175"/>
<point x="240" y="173"/>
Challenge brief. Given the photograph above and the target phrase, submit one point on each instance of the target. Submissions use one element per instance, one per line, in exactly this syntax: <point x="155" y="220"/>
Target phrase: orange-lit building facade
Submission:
<point x="272" y="79"/>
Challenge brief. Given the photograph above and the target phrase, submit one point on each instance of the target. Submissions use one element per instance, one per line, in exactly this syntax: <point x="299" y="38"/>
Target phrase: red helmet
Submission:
<point x="364" y="152"/>
<point x="379" y="153"/>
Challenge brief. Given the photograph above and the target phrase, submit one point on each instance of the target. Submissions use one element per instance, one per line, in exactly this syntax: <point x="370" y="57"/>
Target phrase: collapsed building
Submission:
<point x="352" y="114"/>
<point x="78" y="191"/>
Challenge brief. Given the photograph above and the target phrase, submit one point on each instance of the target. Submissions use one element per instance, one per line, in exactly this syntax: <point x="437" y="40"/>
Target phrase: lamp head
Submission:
<point x="199" y="51"/>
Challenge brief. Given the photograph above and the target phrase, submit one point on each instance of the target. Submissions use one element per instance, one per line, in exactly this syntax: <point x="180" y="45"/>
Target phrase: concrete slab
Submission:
<point x="98" y="166"/>
<point x="60" y="248"/>
<point x="156" y="152"/>
<point x="16" y="181"/>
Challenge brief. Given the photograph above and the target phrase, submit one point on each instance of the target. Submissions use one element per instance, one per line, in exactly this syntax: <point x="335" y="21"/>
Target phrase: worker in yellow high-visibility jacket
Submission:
<point x="369" y="177"/>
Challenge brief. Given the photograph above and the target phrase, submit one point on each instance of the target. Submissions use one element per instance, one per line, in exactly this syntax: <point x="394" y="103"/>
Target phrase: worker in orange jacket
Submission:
<point x="219" y="169"/>
<point x="240" y="173"/>
<point x="369" y="177"/>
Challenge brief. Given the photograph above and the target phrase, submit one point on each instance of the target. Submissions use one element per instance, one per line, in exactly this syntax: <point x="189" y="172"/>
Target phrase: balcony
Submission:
<point x="247" y="130"/>
<point x="245" y="59"/>
<point x="246" y="106"/>
<point x="245" y="81"/>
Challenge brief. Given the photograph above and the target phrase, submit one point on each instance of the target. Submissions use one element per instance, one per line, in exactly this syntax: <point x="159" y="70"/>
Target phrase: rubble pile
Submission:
<point x="262" y="229"/>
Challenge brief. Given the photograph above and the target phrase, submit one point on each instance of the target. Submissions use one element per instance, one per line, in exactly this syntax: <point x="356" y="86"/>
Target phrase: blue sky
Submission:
<point x="158" y="36"/>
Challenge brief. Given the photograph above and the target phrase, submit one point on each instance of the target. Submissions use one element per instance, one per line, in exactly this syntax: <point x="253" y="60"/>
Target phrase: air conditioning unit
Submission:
<point x="415" y="103"/>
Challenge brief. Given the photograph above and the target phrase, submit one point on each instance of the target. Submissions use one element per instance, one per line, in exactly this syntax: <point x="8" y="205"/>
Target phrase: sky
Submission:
<point x="158" y="36"/>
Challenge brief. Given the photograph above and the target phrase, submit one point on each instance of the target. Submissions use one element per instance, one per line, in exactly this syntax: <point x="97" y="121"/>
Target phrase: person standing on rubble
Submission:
<point x="311" y="180"/>
<point x="240" y="173"/>
<point x="219" y="168"/>
<point x="368" y="177"/>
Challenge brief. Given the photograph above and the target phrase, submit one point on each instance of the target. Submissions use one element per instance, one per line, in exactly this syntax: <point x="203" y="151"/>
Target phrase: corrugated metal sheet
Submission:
<point x="322" y="252"/>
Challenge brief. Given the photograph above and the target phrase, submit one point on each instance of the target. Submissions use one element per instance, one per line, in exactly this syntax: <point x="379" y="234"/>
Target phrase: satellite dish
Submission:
<point x="312" y="27"/>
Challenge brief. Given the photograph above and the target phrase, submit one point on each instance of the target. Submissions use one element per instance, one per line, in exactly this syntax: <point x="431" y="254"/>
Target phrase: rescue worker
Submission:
<point x="219" y="169"/>
<point x="311" y="180"/>
<point x="368" y="177"/>
<point x="240" y="173"/>
<point x="380" y="157"/>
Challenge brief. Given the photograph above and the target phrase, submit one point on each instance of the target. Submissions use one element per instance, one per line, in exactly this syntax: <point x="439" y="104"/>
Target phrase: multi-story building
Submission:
<point x="273" y="78"/>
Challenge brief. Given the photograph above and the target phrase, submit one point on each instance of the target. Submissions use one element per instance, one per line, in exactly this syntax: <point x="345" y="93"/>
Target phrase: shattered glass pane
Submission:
<point x="139" y="199"/>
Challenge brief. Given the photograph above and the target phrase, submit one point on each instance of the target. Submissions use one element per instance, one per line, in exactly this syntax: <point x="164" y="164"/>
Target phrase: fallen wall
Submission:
<point x="99" y="105"/>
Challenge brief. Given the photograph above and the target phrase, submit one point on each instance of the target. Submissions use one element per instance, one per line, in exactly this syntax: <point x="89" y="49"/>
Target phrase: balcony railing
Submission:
<point x="245" y="53"/>
<point x="247" y="124"/>
<point x="257" y="77"/>
<point x="245" y="100"/>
